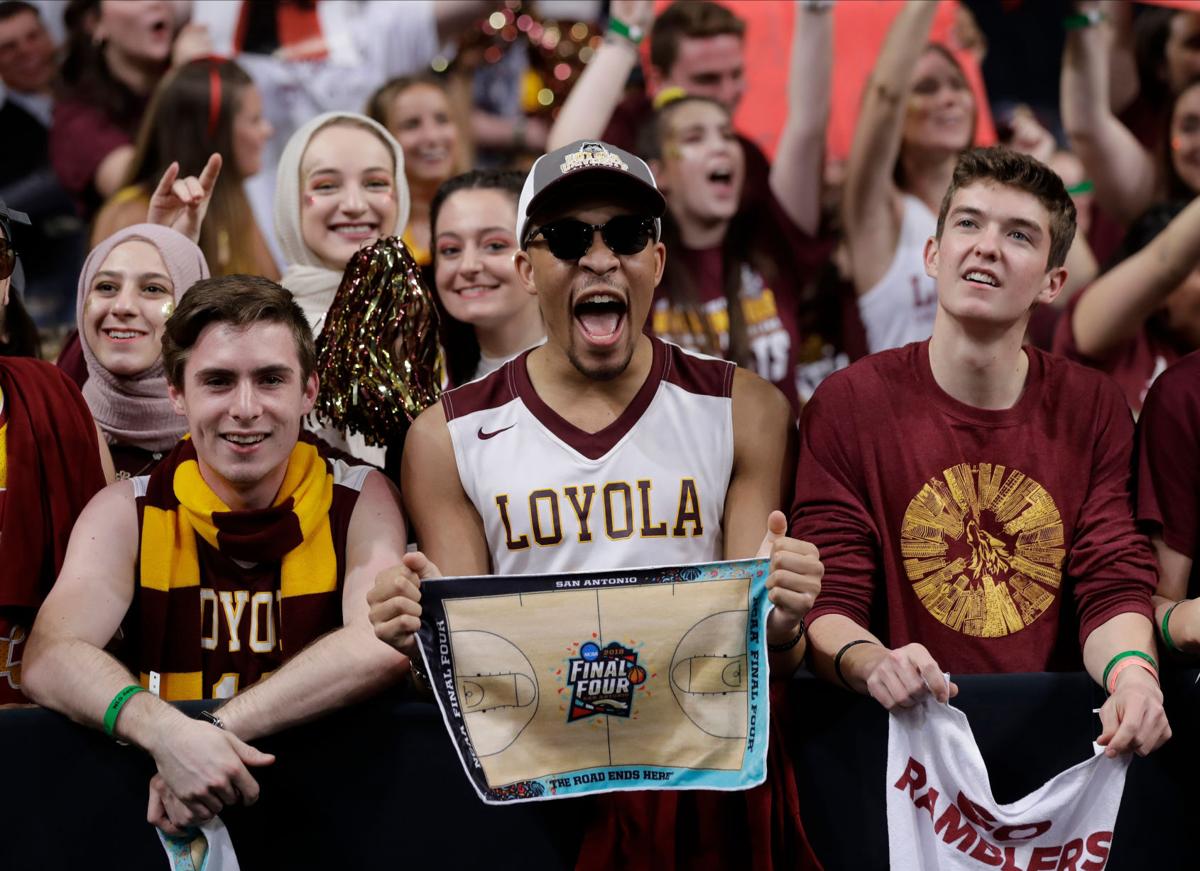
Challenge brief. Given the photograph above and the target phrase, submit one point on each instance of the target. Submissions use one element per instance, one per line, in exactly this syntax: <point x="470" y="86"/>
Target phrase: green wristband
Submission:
<point x="1082" y="20"/>
<point x="1125" y="654"/>
<point x="632" y="33"/>
<point x="118" y="702"/>
<point x="1166" y="633"/>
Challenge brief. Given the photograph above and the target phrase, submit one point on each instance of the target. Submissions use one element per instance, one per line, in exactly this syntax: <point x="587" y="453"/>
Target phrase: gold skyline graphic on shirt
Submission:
<point x="983" y="547"/>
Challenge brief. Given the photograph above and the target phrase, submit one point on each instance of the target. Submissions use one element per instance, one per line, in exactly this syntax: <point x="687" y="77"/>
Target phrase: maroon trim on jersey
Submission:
<point x="592" y="445"/>
<point x="700" y="375"/>
<point x="491" y="391"/>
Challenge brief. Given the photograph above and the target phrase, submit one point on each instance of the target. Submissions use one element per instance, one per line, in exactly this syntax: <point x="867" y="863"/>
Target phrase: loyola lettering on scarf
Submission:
<point x="942" y="815"/>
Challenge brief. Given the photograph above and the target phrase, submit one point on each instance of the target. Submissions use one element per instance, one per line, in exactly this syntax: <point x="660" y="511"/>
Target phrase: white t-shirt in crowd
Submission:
<point x="899" y="309"/>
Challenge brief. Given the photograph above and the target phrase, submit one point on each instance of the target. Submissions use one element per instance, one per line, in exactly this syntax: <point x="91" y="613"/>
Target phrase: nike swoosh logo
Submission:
<point x="487" y="435"/>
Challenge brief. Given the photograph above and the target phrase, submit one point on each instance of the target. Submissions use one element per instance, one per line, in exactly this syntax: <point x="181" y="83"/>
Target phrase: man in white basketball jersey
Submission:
<point x="603" y="448"/>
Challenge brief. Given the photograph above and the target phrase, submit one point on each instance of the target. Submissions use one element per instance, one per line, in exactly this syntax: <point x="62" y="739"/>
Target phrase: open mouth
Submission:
<point x="244" y="441"/>
<point x="981" y="277"/>
<point x="433" y="153"/>
<point x="356" y="232"/>
<point x="475" y="290"/>
<point x="722" y="178"/>
<point x="122" y="335"/>
<point x="600" y="317"/>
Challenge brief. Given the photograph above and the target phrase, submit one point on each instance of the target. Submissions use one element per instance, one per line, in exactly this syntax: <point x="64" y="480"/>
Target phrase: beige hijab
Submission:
<point x="134" y="409"/>
<point x="311" y="282"/>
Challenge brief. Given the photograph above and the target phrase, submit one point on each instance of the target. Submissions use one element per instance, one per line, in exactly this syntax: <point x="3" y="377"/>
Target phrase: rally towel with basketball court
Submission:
<point x="561" y="685"/>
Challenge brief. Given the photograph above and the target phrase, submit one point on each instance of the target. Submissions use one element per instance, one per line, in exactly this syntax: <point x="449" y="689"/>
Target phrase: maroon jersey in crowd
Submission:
<point x="984" y="535"/>
<point x="81" y="136"/>
<point x="1134" y="365"/>
<point x="794" y="336"/>
<point x="1168" y="476"/>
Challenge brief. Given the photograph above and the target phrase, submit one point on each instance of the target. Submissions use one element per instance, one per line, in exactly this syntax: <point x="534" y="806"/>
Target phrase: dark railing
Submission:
<point x="379" y="786"/>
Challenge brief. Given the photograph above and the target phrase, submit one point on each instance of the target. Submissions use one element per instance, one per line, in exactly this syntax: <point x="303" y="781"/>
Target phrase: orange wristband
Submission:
<point x="1124" y="664"/>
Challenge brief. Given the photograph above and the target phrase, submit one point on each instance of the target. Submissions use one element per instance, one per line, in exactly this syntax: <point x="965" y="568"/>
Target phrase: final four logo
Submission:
<point x="602" y="680"/>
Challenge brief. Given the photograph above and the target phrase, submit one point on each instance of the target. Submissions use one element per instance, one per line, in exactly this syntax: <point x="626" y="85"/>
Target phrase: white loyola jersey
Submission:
<point x="649" y="489"/>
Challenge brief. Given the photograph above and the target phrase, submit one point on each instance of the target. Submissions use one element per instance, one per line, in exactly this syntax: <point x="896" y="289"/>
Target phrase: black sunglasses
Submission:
<point x="8" y="259"/>
<point x="569" y="239"/>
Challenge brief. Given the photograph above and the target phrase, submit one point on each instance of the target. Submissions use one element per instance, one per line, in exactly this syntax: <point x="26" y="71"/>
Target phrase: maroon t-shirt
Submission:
<point x="1168" y="469"/>
<point x="81" y="136"/>
<point x="794" y="344"/>
<point x="964" y="529"/>
<point x="1134" y="365"/>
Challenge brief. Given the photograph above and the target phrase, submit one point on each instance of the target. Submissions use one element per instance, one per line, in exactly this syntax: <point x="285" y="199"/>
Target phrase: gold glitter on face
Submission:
<point x="167" y="308"/>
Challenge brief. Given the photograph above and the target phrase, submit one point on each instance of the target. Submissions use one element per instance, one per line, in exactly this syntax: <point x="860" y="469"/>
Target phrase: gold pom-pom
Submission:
<point x="378" y="356"/>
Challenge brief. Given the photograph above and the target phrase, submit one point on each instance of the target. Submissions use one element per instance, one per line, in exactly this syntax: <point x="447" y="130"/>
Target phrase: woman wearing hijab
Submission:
<point x="129" y="286"/>
<point x="340" y="188"/>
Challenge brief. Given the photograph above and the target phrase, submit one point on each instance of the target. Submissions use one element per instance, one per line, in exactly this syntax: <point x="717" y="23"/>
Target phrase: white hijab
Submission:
<point x="311" y="282"/>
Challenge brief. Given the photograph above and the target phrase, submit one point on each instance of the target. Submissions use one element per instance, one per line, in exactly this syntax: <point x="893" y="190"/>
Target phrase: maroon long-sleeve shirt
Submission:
<point x="987" y="536"/>
<point x="1168" y="485"/>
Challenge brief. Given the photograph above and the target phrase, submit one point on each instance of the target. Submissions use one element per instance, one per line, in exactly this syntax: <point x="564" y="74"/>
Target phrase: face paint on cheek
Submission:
<point x="1176" y="143"/>
<point x="167" y="308"/>
<point x="309" y="200"/>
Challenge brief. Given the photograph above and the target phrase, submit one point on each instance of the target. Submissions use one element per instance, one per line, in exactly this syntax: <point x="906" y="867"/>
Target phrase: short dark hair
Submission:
<point x="13" y="8"/>
<point x="237" y="300"/>
<point x="1015" y="170"/>
<point x="504" y="180"/>
<point x="688" y="19"/>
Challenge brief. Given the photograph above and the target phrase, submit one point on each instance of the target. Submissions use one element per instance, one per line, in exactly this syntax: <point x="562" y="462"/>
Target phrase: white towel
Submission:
<point x="208" y="848"/>
<point x="942" y="815"/>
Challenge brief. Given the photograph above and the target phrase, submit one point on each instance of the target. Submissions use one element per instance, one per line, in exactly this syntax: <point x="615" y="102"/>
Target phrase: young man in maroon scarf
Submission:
<point x="242" y="560"/>
<point x="50" y="466"/>
<point x="969" y="495"/>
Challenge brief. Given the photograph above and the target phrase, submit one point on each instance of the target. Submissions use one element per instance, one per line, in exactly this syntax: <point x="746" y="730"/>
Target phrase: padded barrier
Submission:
<point x="379" y="786"/>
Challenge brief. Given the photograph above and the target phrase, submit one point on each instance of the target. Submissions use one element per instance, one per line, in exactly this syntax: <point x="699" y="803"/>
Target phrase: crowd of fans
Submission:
<point x="303" y="225"/>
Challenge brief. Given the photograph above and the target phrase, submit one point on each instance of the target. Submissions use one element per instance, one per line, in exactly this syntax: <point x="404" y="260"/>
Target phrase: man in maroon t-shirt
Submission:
<point x="969" y="496"/>
<point x="1168" y="498"/>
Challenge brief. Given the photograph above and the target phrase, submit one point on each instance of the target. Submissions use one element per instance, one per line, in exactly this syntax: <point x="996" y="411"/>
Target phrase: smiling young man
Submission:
<point x="240" y="564"/>
<point x="605" y="449"/>
<point x="970" y="495"/>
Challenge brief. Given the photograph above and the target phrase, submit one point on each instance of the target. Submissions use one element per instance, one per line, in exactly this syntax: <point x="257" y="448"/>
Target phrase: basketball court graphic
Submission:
<point x="560" y="685"/>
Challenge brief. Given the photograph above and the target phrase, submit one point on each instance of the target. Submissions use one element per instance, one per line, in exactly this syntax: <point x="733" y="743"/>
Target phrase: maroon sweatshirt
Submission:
<point x="1168" y="486"/>
<point x="965" y="529"/>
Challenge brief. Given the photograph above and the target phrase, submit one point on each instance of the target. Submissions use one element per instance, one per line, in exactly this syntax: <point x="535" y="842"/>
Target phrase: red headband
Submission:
<point x="214" y="92"/>
<point x="214" y="101"/>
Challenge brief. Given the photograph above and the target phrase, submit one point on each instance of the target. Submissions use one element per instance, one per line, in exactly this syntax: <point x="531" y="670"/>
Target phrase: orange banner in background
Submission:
<point x="1189" y="5"/>
<point x="859" y="29"/>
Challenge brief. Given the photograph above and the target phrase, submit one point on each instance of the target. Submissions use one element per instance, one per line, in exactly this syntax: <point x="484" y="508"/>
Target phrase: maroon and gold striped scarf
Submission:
<point x="179" y="507"/>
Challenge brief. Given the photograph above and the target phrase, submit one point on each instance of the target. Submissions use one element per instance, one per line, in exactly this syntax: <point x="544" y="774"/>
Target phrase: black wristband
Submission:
<point x="789" y="644"/>
<point x="837" y="660"/>
<point x="210" y="717"/>
<point x="417" y="671"/>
